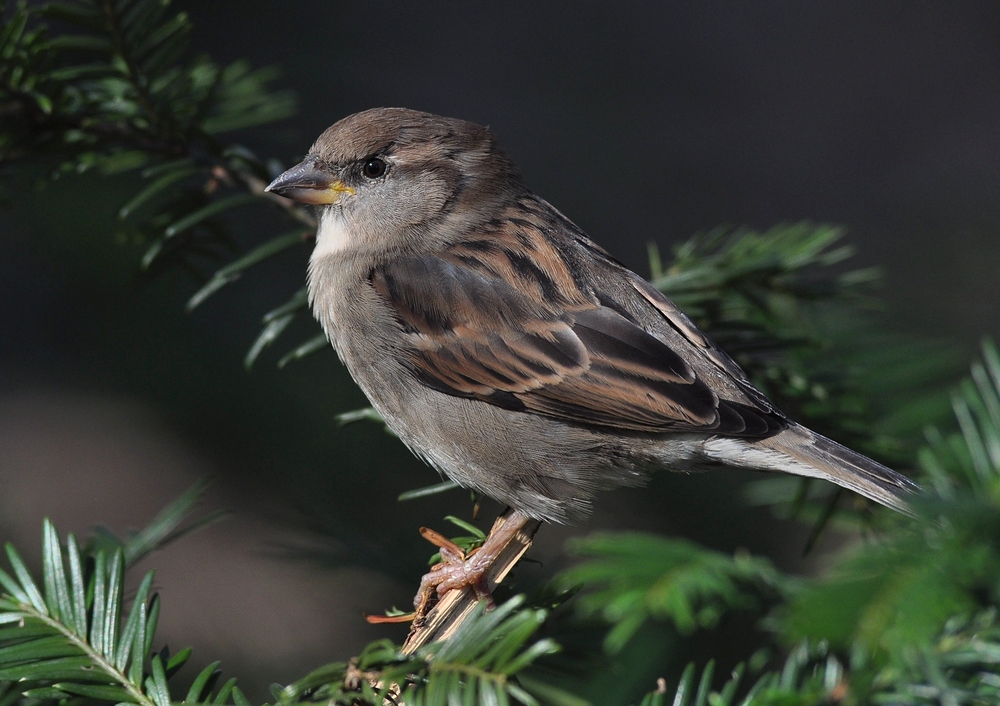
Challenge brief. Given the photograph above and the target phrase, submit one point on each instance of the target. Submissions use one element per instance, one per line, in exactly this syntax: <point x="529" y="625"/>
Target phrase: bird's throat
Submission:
<point x="332" y="236"/>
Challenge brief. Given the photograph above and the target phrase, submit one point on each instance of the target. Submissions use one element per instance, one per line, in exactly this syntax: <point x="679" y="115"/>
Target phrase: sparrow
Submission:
<point x="507" y="349"/>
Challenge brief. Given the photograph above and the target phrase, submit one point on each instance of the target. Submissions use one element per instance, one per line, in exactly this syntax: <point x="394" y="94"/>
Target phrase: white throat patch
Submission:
<point x="332" y="235"/>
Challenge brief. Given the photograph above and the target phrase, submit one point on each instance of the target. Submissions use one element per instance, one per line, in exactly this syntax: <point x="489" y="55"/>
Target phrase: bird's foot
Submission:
<point x="455" y="570"/>
<point x="458" y="570"/>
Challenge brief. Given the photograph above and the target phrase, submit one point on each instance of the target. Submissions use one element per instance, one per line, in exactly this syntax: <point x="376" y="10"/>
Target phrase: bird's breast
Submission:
<point x="360" y="327"/>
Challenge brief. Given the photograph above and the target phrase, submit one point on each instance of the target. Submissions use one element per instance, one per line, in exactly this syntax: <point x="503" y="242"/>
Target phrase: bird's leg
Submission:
<point x="457" y="570"/>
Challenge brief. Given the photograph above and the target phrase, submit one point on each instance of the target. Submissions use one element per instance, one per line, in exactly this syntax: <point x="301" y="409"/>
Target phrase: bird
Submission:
<point x="511" y="352"/>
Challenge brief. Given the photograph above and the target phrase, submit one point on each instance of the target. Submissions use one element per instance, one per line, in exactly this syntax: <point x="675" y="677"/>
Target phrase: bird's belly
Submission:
<point x="545" y="468"/>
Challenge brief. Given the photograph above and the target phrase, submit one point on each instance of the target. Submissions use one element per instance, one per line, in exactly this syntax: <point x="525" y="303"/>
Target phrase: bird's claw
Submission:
<point x="456" y="571"/>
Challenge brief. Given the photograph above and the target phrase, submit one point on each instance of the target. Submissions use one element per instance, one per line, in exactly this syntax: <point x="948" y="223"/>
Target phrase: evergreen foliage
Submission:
<point x="907" y="616"/>
<point x="72" y="639"/>
<point x="88" y="85"/>
<point x="631" y="577"/>
<point x="805" y="328"/>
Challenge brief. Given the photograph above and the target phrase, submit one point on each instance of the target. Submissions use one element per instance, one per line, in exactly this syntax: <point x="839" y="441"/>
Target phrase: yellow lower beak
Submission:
<point x="310" y="182"/>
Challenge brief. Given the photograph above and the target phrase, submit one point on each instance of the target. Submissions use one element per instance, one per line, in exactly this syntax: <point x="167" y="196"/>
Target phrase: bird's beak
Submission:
<point x="309" y="182"/>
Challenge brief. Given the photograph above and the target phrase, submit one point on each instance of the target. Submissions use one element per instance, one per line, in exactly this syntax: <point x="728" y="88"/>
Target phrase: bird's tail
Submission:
<point x="803" y="452"/>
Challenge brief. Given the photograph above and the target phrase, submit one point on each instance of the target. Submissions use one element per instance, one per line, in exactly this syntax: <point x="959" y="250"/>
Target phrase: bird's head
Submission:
<point x="393" y="180"/>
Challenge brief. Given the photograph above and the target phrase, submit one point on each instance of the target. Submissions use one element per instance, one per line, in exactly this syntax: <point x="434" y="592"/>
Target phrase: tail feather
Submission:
<point x="803" y="452"/>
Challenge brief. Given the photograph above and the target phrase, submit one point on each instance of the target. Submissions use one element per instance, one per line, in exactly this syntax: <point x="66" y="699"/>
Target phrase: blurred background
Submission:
<point x="642" y="122"/>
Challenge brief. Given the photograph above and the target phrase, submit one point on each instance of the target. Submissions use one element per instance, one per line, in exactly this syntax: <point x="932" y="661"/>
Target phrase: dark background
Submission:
<point x="642" y="122"/>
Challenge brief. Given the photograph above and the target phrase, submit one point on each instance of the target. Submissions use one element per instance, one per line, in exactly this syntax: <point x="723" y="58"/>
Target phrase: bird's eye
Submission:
<point x="373" y="168"/>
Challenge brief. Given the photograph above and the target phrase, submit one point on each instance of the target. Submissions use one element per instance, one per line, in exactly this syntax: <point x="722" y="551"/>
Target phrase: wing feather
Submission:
<point x="472" y="332"/>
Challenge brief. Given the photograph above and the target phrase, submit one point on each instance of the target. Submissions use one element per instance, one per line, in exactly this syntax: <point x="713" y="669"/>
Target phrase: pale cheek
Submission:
<point x="331" y="236"/>
<point x="413" y="201"/>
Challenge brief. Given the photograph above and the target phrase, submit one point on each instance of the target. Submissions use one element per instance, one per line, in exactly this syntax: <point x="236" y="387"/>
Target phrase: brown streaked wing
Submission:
<point x="633" y="381"/>
<point x="683" y="325"/>
<point x="470" y="333"/>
